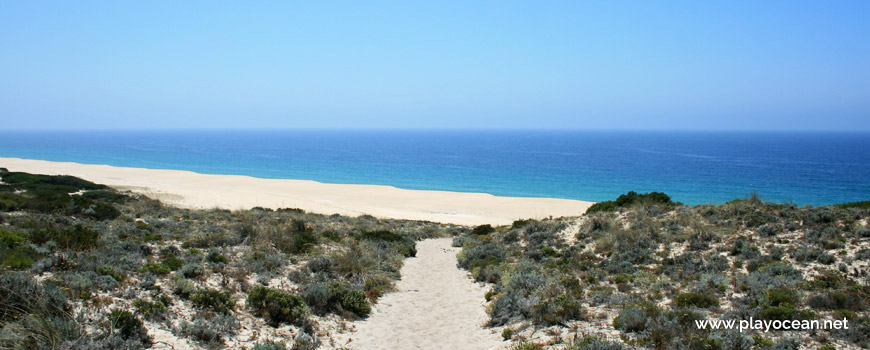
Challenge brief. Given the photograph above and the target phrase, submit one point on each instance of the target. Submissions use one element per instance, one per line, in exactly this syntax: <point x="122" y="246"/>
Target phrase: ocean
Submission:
<point x="817" y="168"/>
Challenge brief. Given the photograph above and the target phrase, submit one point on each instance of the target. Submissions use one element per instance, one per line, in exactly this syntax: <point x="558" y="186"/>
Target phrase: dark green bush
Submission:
<point x="217" y="258"/>
<point x="148" y="309"/>
<point x="128" y="326"/>
<point x="698" y="300"/>
<point x="859" y="205"/>
<point x="834" y="300"/>
<point x="482" y="230"/>
<point x="172" y="262"/>
<point x="301" y="239"/>
<point x="156" y="268"/>
<point x="14" y="253"/>
<point x="276" y="306"/>
<point x="109" y="271"/>
<point x="629" y="199"/>
<point x="220" y="302"/>
<point x="34" y="182"/>
<point x="77" y="238"/>
<point x="336" y="297"/>
<point x="557" y="310"/>
<point x="781" y="313"/>
<point x="350" y="300"/>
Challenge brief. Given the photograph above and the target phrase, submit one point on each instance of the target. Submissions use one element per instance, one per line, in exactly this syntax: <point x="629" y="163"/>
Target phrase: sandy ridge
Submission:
<point x="194" y="190"/>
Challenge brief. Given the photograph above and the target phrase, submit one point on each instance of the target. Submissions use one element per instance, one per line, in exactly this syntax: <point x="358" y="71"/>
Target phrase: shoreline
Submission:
<point x="205" y="191"/>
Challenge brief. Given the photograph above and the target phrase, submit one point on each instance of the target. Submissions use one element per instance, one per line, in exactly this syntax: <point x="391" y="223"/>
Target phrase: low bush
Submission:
<point x="152" y="310"/>
<point x="77" y="238"/>
<point x="350" y="300"/>
<point x="402" y="244"/>
<point x="633" y="318"/>
<point x="128" y="326"/>
<point x="336" y="297"/>
<point x="156" y="268"/>
<point x="483" y="230"/>
<point x="211" y="330"/>
<point x="629" y="199"/>
<point x="219" y="301"/>
<point x="698" y="300"/>
<point x="781" y="313"/>
<point x="14" y="252"/>
<point x="276" y="306"/>
<point x="172" y="262"/>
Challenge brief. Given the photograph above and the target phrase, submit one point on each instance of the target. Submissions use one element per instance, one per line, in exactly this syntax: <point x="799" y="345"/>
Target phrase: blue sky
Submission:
<point x="468" y="64"/>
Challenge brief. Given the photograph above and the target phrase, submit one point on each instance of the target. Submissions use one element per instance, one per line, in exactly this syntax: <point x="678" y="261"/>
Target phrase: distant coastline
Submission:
<point x="203" y="191"/>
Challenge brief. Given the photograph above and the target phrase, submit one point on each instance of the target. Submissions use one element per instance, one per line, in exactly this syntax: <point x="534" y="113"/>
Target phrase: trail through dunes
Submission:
<point x="436" y="306"/>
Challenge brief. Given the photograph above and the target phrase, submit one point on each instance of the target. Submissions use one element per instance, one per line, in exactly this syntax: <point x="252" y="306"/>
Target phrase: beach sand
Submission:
<point x="192" y="190"/>
<point x="435" y="306"/>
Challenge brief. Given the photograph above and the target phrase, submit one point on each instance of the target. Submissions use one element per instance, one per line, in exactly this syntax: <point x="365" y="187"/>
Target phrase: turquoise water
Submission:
<point x="693" y="167"/>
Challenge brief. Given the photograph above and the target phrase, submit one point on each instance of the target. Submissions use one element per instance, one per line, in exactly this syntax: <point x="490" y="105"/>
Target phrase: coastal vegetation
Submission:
<point x="638" y="272"/>
<point x="88" y="267"/>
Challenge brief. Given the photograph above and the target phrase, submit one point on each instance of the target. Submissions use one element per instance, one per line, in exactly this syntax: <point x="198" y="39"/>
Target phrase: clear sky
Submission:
<point x="463" y="64"/>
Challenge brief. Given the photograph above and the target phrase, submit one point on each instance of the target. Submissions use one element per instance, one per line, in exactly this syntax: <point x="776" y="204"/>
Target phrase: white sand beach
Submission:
<point x="194" y="190"/>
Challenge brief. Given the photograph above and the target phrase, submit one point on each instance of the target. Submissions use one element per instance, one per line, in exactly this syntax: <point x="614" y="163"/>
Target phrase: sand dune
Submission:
<point x="436" y="306"/>
<point x="193" y="190"/>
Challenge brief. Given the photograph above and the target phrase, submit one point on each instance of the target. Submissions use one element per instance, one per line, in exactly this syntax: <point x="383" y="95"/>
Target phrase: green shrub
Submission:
<point x="221" y="302"/>
<point x="217" y="258"/>
<point x="507" y="333"/>
<point x="859" y="205"/>
<point x="354" y="301"/>
<point x="336" y="297"/>
<point x="276" y="306"/>
<point x="109" y="271"/>
<point x="382" y="235"/>
<point x="33" y="315"/>
<point x="172" y="262"/>
<point x="556" y="310"/>
<point x="14" y="254"/>
<point x="629" y="199"/>
<point x="780" y="297"/>
<point x="699" y="300"/>
<point x="77" y="238"/>
<point x="156" y="268"/>
<point x="331" y="235"/>
<point x="524" y="345"/>
<point x="482" y="230"/>
<point x="633" y="318"/>
<point x="34" y="182"/>
<point x="299" y="239"/>
<point x="148" y="309"/>
<point x="108" y="196"/>
<point x="128" y="326"/>
<point x="210" y="330"/>
<point x="781" y="313"/>
<point x="183" y="287"/>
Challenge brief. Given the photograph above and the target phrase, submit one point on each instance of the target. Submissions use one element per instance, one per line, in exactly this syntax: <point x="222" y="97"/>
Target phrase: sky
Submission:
<point x="725" y="65"/>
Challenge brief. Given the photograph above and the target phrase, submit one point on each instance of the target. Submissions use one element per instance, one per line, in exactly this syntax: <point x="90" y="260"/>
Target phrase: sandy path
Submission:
<point x="436" y="306"/>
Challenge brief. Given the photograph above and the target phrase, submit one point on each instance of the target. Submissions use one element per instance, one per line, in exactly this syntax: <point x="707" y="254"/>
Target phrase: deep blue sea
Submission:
<point x="693" y="167"/>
